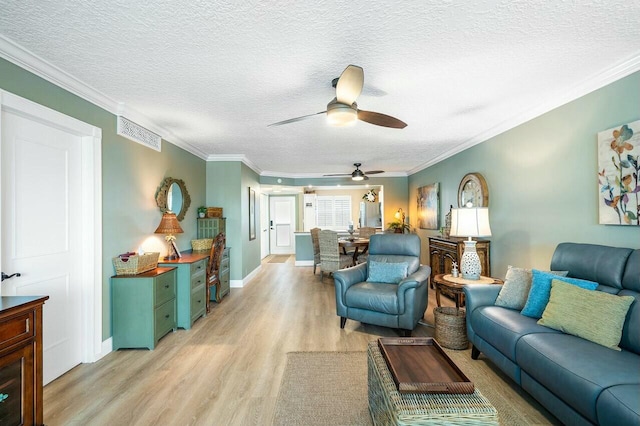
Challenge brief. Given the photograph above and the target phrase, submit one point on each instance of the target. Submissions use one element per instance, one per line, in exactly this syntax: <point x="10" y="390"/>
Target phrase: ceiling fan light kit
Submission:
<point x="340" y="114"/>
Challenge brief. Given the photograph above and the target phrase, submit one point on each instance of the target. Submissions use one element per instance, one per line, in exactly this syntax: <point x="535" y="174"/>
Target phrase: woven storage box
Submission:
<point x="214" y="212"/>
<point x="202" y="244"/>
<point x="136" y="264"/>
<point x="451" y="327"/>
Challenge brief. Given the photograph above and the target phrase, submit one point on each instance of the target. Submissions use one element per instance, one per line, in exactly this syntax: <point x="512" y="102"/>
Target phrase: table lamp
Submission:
<point x="470" y="222"/>
<point x="169" y="225"/>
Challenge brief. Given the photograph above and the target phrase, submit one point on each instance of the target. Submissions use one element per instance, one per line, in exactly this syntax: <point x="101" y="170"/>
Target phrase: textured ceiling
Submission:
<point x="214" y="74"/>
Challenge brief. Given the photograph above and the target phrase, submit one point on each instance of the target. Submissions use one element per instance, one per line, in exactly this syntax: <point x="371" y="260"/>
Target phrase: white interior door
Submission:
<point x="41" y="230"/>
<point x="283" y="224"/>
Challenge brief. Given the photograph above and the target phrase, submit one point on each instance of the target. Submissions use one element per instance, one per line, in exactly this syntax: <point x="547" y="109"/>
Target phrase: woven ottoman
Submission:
<point x="389" y="407"/>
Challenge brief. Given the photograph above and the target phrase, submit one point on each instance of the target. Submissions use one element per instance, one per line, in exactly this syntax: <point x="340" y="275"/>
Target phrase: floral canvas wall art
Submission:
<point x="618" y="173"/>
<point x="428" y="206"/>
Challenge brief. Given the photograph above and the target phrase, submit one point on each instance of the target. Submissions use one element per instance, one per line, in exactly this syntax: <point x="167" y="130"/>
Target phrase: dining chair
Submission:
<point x="366" y="231"/>
<point x="331" y="259"/>
<point x="316" y="248"/>
<point x="213" y="267"/>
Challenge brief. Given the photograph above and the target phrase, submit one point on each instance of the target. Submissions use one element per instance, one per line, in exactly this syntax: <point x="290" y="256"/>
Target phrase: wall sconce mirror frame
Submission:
<point x="172" y="195"/>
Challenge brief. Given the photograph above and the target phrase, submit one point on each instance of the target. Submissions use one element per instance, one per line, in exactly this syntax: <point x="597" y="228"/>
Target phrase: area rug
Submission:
<point x="323" y="388"/>
<point x="330" y="388"/>
<point x="279" y="258"/>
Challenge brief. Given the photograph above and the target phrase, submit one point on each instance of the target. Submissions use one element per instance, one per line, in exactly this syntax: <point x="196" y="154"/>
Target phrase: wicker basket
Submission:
<point x="203" y="244"/>
<point x="451" y="327"/>
<point x="136" y="264"/>
<point x="214" y="212"/>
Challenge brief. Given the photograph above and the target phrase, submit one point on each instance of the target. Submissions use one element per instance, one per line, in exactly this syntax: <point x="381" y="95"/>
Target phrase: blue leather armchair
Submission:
<point x="398" y="305"/>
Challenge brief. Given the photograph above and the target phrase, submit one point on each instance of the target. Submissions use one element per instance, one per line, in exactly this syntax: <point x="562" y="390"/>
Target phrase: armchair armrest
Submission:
<point x="416" y="279"/>
<point x="345" y="278"/>
<point x="478" y="295"/>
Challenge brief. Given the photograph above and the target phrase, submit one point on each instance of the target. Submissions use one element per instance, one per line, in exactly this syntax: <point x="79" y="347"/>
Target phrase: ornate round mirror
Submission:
<point x="172" y="196"/>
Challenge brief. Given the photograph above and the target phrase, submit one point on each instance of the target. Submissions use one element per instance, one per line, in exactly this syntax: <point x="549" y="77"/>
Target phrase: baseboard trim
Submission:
<point x="304" y="262"/>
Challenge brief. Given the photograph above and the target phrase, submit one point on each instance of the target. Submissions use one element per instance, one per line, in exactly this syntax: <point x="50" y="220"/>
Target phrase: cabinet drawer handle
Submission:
<point x="167" y="316"/>
<point x="166" y="286"/>
<point x="200" y="301"/>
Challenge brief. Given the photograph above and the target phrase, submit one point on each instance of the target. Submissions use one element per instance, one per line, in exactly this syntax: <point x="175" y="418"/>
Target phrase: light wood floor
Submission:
<point x="227" y="369"/>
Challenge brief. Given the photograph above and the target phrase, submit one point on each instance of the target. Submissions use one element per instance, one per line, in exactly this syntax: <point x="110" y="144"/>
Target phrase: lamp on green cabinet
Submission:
<point x="169" y="225"/>
<point x="470" y="222"/>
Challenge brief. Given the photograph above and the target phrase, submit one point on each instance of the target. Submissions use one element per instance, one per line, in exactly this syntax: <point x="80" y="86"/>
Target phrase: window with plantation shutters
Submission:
<point x="334" y="212"/>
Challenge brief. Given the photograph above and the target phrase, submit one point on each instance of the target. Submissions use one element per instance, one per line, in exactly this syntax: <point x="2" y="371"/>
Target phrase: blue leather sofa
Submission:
<point x="578" y="381"/>
<point x="398" y="305"/>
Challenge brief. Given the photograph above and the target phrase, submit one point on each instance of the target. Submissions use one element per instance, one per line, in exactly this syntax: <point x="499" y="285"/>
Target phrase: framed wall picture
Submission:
<point x="428" y="206"/>
<point x="252" y="214"/>
<point x="619" y="174"/>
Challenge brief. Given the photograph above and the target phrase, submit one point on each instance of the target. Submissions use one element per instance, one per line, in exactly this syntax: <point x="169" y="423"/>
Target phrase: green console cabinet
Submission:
<point x="143" y="308"/>
<point x="191" y="293"/>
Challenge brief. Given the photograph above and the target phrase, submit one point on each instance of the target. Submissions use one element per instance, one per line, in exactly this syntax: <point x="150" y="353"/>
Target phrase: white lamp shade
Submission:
<point x="470" y="222"/>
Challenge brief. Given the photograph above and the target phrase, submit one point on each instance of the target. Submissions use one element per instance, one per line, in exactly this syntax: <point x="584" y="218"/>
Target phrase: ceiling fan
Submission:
<point x="343" y="110"/>
<point x="358" y="174"/>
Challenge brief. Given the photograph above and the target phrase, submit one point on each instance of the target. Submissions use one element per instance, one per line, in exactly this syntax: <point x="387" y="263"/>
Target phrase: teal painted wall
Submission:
<point x="131" y="174"/>
<point x="542" y="179"/>
<point x="228" y="184"/>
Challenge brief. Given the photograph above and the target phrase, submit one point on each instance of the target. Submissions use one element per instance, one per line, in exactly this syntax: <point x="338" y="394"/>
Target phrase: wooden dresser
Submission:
<point x="191" y="286"/>
<point x="143" y="308"/>
<point x="444" y="251"/>
<point x="21" y="360"/>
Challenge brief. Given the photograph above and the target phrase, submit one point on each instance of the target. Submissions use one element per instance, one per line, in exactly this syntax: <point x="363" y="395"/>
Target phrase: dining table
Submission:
<point x="357" y="243"/>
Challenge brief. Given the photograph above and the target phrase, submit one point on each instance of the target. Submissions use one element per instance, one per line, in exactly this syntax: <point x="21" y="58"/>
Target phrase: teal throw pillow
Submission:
<point x="382" y="272"/>
<point x="541" y="290"/>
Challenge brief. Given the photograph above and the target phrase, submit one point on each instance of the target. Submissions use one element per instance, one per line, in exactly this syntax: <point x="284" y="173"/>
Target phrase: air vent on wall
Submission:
<point x="137" y="133"/>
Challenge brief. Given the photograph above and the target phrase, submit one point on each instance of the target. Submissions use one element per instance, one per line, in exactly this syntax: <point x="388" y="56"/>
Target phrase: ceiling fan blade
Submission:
<point x="350" y="84"/>
<point x="339" y="174"/>
<point x="374" y="172"/>
<point x="293" y="120"/>
<point x="381" y="119"/>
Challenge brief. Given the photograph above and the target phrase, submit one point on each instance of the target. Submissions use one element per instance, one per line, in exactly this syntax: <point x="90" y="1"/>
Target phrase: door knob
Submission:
<point x="6" y="277"/>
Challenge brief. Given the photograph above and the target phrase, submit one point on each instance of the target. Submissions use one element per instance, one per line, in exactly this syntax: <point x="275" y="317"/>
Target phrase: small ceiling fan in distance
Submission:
<point x="343" y="110"/>
<point x="358" y="174"/>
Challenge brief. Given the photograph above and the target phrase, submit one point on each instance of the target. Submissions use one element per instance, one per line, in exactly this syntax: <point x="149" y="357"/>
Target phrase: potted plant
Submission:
<point x="399" y="227"/>
<point x="202" y="210"/>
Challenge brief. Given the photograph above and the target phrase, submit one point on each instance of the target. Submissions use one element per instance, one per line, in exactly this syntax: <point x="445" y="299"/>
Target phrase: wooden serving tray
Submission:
<point x="419" y="365"/>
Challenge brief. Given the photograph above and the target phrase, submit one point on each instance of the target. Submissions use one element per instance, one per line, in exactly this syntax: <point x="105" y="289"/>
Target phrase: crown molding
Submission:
<point x="591" y="84"/>
<point x="24" y="58"/>
<point x="235" y="157"/>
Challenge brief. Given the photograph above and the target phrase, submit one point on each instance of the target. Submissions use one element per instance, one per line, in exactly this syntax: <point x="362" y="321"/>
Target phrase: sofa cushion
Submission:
<point x="541" y="290"/>
<point x="602" y="264"/>
<point x="631" y="277"/>
<point x="384" y="272"/>
<point x="378" y="297"/>
<point x="592" y="315"/>
<point x="631" y="330"/>
<point x="574" y="369"/>
<point x="619" y="405"/>
<point x="502" y="327"/>
<point x="514" y="291"/>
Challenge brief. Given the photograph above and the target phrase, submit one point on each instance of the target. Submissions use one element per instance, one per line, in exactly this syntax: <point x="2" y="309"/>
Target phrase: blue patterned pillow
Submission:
<point x="541" y="290"/>
<point x="382" y="272"/>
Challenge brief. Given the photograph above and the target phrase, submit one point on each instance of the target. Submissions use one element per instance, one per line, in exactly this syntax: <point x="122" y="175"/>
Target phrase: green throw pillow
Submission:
<point x="382" y="272"/>
<point x="593" y="315"/>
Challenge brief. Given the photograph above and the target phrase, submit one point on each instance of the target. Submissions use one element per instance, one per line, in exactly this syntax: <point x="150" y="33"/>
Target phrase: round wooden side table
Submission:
<point x="455" y="285"/>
